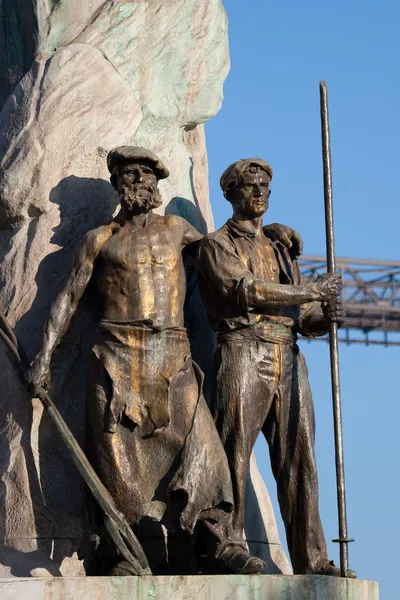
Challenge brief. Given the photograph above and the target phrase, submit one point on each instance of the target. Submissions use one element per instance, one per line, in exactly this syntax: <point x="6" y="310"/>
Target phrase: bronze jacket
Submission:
<point x="233" y="257"/>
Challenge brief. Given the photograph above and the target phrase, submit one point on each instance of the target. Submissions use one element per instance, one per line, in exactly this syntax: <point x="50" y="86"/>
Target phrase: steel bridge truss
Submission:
<point x="371" y="296"/>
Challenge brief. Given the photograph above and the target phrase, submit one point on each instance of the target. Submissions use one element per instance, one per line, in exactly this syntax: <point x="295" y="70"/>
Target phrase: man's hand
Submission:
<point x="327" y="287"/>
<point x="334" y="311"/>
<point x="38" y="377"/>
<point x="287" y="236"/>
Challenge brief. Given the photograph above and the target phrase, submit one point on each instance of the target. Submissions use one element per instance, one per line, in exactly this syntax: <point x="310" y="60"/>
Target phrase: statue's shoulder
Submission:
<point x="173" y="220"/>
<point x="218" y="237"/>
<point x="95" y="238"/>
<point x="176" y="224"/>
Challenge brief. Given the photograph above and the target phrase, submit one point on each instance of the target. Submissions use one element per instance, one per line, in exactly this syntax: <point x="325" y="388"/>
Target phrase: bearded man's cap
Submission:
<point x="124" y="155"/>
<point x="233" y="174"/>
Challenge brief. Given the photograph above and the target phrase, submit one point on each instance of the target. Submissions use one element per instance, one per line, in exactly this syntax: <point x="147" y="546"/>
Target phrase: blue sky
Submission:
<point x="279" y="52"/>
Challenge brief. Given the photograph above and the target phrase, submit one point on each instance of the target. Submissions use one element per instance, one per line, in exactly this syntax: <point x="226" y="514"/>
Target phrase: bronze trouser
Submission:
<point x="131" y="367"/>
<point x="263" y="386"/>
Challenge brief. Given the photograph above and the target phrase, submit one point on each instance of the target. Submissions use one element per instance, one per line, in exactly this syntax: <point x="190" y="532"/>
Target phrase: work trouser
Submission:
<point x="263" y="386"/>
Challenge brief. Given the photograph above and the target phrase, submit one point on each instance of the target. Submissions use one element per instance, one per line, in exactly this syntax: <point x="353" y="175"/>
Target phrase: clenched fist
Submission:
<point x="38" y="377"/>
<point x="327" y="286"/>
<point x="334" y="311"/>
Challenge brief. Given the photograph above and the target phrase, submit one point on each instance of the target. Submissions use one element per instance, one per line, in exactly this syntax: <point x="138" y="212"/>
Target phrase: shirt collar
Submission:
<point x="241" y="228"/>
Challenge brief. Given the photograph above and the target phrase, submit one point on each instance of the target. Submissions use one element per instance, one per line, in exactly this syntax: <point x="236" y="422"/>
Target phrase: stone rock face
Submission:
<point x="56" y="129"/>
<point x="260" y="526"/>
<point x="88" y="76"/>
<point x="17" y="43"/>
<point x="174" y="58"/>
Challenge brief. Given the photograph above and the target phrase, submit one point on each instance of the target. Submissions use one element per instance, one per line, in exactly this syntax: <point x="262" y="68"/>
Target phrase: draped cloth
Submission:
<point x="151" y="437"/>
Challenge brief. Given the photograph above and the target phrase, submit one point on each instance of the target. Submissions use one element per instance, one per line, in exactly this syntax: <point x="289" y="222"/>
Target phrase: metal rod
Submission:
<point x="333" y="333"/>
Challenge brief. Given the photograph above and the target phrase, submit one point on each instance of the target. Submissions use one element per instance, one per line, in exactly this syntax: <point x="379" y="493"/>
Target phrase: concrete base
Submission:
<point x="216" y="587"/>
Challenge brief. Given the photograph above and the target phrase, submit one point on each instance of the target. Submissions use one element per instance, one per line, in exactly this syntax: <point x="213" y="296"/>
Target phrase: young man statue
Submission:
<point x="257" y="304"/>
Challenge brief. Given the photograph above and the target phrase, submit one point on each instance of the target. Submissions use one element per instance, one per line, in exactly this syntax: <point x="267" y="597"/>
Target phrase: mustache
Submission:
<point x="138" y="189"/>
<point x="142" y="196"/>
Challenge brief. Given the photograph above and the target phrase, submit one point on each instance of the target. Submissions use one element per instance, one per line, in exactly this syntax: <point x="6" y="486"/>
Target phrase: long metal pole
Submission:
<point x="343" y="540"/>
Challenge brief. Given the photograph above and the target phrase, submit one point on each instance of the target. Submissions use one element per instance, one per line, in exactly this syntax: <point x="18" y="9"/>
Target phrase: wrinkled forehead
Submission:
<point x="254" y="175"/>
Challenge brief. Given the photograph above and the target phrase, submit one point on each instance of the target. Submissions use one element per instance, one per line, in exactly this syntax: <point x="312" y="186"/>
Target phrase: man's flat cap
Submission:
<point x="233" y="173"/>
<point x="130" y="154"/>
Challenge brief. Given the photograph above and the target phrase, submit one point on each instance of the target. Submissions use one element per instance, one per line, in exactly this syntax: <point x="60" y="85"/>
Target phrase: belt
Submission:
<point x="261" y="332"/>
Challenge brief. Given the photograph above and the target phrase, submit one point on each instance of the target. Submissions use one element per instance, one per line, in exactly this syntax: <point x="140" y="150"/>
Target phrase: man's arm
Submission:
<point x="263" y="294"/>
<point x="221" y="267"/>
<point x="67" y="301"/>
<point x="190" y="235"/>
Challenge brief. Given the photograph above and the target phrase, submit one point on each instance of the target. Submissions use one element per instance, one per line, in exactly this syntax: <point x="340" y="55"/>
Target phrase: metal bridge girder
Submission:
<point x="371" y="296"/>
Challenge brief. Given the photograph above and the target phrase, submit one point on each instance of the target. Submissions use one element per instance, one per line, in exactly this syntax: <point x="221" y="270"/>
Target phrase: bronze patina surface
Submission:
<point x="151" y="437"/>
<point x="257" y="304"/>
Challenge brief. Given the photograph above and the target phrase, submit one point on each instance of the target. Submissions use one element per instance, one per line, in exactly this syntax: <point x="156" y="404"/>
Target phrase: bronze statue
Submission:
<point x="151" y="437"/>
<point x="257" y="304"/>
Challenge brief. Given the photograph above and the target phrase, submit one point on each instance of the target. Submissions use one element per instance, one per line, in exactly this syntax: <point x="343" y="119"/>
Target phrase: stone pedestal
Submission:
<point x="216" y="587"/>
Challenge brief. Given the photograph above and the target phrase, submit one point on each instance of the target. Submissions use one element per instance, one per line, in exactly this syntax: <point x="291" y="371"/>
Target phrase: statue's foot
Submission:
<point x="329" y="568"/>
<point x="239" y="562"/>
<point x="122" y="569"/>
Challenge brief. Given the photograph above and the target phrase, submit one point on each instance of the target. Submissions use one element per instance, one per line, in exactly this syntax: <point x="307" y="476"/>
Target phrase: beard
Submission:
<point x="141" y="198"/>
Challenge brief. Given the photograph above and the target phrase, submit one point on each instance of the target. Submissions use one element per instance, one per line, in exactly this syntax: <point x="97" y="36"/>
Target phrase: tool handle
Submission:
<point x="333" y="332"/>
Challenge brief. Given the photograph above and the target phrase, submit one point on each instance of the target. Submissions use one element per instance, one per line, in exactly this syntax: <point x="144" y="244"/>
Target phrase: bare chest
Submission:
<point x="149" y="248"/>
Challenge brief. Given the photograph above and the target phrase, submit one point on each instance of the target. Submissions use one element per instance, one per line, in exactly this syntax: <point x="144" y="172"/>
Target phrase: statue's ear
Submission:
<point x="227" y="192"/>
